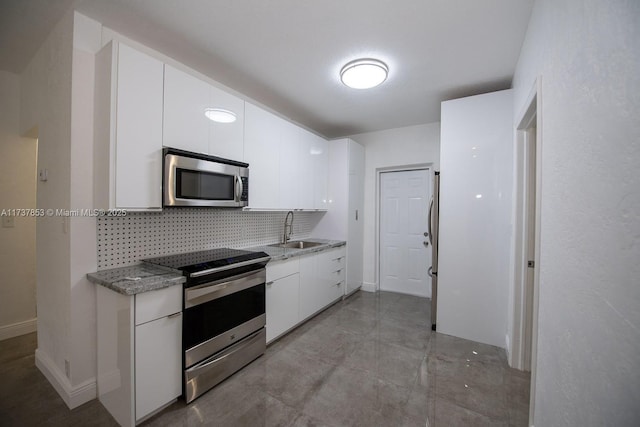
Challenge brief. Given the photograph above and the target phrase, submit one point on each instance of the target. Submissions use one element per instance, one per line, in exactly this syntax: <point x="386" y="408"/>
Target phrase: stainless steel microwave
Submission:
<point x="193" y="179"/>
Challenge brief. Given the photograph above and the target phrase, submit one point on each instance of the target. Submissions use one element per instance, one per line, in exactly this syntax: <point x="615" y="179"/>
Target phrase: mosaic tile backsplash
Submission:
<point x="125" y="240"/>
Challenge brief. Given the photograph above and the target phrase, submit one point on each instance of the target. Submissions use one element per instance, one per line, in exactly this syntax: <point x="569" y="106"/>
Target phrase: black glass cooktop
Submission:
<point x="193" y="262"/>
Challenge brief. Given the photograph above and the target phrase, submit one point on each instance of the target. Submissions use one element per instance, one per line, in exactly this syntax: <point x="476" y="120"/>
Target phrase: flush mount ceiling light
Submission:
<point x="364" y="73"/>
<point x="220" y="115"/>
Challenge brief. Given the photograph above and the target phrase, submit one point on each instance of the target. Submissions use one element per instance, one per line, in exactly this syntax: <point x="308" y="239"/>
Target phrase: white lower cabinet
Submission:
<point x="332" y="273"/>
<point x="158" y="363"/>
<point x="300" y="287"/>
<point x="282" y="290"/>
<point x="322" y="280"/>
<point x="139" y="352"/>
<point x="282" y="307"/>
<point x="310" y="291"/>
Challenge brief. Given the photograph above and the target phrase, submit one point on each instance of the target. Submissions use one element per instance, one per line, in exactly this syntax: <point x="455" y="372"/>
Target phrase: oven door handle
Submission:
<point x="240" y="345"/>
<point x="197" y="293"/>
<point x="214" y="290"/>
<point x="229" y="267"/>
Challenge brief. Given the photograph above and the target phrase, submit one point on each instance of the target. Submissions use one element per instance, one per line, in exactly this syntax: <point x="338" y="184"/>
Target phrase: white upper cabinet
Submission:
<point x="320" y="156"/>
<point x="128" y="129"/>
<point x="185" y="100"/>
<point x="262" y="152"/>
<point x="306" y="172"/>
<point x="226" y="139"/>
<point x="288" y="165"/>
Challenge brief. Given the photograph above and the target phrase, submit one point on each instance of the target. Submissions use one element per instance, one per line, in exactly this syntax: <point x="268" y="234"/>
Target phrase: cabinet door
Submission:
<point x="185" y="99"/>
<point x="282" y="305"/>
<point x="310" y="293"/>
<point x="138" y="130"/>
<point x="289" y="170"/>
<point x="355" y="223"/>
<point x="320" y="154"/>
<point x="306" y="170"/>
<point x="158" y="363"/>
<point x="226" y="140"/>
<point x="262" y="152"/>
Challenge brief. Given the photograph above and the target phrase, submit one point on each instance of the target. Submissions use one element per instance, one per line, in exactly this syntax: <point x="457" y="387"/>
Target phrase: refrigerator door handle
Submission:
<point x="429" y="221"/>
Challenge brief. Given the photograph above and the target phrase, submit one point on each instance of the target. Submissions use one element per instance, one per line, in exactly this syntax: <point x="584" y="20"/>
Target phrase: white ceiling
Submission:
<point x="286" y="54"/>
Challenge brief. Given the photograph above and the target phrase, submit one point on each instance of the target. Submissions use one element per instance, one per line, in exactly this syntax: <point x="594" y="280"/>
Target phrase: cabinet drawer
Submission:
<point x="280" y="269"/>
<point x="156" y="304"/>
<point x="335" y="259"/>
<point x="336" y="276"/>
<point x="336" y="290"/>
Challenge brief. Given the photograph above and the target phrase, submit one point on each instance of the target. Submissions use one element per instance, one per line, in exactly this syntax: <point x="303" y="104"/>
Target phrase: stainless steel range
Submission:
<point x="223" y="313"/>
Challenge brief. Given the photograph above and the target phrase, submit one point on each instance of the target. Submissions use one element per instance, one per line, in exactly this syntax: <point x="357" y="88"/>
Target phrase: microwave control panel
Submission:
<point x="245" y="189"/>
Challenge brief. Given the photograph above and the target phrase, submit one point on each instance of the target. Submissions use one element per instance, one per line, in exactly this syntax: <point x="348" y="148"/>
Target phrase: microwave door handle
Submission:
<point x="239" y="188"/>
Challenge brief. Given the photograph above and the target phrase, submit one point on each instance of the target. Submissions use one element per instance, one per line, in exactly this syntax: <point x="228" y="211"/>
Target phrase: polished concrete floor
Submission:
<point x="370" y="360"/>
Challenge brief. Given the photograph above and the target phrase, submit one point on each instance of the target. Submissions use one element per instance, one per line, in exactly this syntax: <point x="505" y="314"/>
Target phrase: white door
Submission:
<point x="404" y="257"/>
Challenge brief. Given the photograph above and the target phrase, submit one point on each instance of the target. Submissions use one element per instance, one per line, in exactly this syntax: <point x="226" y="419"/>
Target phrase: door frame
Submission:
<point x="406" y="168"/>
<point x="529" y="118"/>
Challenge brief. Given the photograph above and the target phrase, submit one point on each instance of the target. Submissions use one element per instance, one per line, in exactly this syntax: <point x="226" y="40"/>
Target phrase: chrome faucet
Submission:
<point x="288" y="228"/>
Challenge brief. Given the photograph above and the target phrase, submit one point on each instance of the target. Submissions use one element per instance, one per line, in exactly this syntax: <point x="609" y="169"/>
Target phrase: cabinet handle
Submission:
<point x="338" y="284"/>
<point x="338" y="259"/>
<point x="171" y="316"/>
<point x="269" y="283"/>
<point x="338" y="271"/>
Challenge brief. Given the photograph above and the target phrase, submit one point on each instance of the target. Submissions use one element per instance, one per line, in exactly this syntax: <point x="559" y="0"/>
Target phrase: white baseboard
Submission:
<point x="17" y="329"/>
<point x="369" y="287"/>
<point x="73" y="396"/>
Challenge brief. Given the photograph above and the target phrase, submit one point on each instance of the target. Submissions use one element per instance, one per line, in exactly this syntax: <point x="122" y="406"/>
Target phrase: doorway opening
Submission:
<point x="403" y="250"/>
<point x="527" y="240"/>
<point x="18" y="303"/>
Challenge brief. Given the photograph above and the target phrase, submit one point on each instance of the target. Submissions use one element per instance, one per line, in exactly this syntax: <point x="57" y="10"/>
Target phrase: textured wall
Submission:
<point x="17" y="190"/>
<point x="587" y="53"/>
<point x="393" y="147"/>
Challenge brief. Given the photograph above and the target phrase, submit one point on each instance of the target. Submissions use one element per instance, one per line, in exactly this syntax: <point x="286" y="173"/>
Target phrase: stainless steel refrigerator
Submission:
<point x="433" y="239"/>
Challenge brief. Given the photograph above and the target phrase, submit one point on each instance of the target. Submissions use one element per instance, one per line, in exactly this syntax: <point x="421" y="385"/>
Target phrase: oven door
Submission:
<point x="197" y="182"/>
<point x="220" y="313"/>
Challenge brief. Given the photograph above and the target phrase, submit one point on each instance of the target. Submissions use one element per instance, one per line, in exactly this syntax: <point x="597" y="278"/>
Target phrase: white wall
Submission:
<point x="82" y="230"/>
<point x="17" y="190"/>
<point x="57" y="105"/>
<point x="404" y="146"/>
<point x="587" y="53"/>
<point x="45" y="104"/>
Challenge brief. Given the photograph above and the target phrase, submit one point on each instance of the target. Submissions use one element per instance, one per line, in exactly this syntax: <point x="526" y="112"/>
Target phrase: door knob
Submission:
<point x="425" y="234"/>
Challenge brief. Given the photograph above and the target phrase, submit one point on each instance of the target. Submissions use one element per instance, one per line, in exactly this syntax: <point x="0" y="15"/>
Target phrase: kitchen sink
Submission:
<point x="297" y="244"/>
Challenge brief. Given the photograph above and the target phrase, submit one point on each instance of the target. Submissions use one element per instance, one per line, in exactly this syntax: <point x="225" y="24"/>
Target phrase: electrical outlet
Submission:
<point x="67" y="368"/>
<point x="8" y="222"/>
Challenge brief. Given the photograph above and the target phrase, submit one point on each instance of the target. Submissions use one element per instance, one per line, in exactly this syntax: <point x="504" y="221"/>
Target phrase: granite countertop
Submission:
<point x="137" y="278"/>
<point x="144" y="277"/>
<point x="278" y="254"/>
